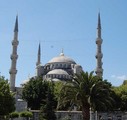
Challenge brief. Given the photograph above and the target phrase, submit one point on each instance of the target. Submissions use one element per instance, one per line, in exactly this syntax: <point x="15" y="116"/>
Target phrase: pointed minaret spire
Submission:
<point x="39" y="56"/>
<point x="99" y="55"/>
<point x="99" y="26"/>
<point x="14" y="56"/>
<point x="39" y="67"/>
<point x="16" y="24"/>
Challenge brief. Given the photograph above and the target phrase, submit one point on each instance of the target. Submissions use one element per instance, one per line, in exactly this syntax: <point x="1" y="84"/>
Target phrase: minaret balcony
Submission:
<point x="15" y="42"/>
<point x="99" y="55"/>
<point x="99" y="41"/>
<point x="99" y="70"/>
<point x="13" y="56"/>
<point x="13" y="71"/>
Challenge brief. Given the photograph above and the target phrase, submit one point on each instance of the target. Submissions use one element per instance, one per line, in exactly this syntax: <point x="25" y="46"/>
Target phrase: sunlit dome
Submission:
<point x="62" y="58"/>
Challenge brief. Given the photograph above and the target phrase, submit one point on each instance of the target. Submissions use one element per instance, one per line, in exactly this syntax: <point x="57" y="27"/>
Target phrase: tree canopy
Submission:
<point x="87" y="91"/>
<point x="47" y="108"/>
<point x="35" y="92"/>
<point x="7" y="100"/>
<point x="121" y="96"/>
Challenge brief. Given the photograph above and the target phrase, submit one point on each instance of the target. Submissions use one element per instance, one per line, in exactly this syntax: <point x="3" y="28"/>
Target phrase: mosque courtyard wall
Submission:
<point x="77" y="115"/>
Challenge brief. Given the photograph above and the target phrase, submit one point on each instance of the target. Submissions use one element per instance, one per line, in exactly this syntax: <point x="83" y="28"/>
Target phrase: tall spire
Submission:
<point x="39" y="56"/>
<point x="38" y="63"/>
<point x="16" y="24"/>
<point x="99" y="26"/>
<point x="14" y="57"/>
<point x="99" y="55"/>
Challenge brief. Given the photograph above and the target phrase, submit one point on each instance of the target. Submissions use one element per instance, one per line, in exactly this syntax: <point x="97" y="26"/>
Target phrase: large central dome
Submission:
<point x="62" y="58"/>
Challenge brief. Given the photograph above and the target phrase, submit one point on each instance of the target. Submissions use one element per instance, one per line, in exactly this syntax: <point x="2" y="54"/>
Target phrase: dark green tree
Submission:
<point x="124" y="82"/>
<point x="47" y="108"/>
<point x="7" y="101"/>
<point x="35" y="92"/>
<point x="57" y="92"/>
<point x="87" y="91"/>
<point x="121" y="96"/>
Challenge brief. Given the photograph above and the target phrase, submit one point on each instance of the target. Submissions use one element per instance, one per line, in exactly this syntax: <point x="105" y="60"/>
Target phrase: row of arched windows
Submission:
<point x="58" y="65"/>
<point x="58" y="76"/>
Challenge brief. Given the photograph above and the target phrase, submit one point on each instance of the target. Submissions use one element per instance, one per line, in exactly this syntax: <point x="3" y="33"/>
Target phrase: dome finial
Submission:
<point x="62" y="53"/>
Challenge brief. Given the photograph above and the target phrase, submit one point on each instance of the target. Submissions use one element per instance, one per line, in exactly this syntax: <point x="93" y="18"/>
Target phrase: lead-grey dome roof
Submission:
<point x="58" y="72"/>
<point x="62" y="58"/>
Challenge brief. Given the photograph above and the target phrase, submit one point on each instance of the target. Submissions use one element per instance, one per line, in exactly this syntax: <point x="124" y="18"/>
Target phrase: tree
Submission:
<point x="57" y="92"/>
<point x="125" y="82"/>
<point x="7" y="100"/>
<point x="121" y="96"/>
<point x="47" y="108"/>
<point x="35" y="92"/>
<point x="87" y="91"/>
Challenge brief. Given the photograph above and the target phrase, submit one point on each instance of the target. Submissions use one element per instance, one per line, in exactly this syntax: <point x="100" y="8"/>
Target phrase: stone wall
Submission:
<point x="73" y="115"/>
<point x="77" y="115"/>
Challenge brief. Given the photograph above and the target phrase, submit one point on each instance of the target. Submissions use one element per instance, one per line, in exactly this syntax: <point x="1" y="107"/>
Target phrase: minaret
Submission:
<point x="99" y="55"/>
<point x="14" y="57"/>
<point x="39" y="56"/>
<point x="38" y="63"/>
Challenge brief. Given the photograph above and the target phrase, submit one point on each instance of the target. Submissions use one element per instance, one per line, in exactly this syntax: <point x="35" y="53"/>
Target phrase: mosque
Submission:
<point x="60" y="67"/>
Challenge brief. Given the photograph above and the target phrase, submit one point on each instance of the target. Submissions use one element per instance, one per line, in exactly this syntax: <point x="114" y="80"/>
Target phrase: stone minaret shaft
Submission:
<point x="39" y="56"/>
<point x="99" y="55"/>
<point x="14" y="57"/>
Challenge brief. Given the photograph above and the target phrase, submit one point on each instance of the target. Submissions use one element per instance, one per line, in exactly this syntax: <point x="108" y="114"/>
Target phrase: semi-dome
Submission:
<point x="62" y="58"/>
<point x="58" y="72"/>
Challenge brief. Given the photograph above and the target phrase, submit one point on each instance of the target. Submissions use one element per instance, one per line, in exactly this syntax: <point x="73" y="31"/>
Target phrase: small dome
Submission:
<point x="58" y="72"/>
<point x="62" y="58"/>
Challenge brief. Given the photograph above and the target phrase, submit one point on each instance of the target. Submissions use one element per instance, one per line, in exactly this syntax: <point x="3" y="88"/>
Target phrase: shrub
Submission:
<point x="26" y="114"/>
<point x="14" y="115"/>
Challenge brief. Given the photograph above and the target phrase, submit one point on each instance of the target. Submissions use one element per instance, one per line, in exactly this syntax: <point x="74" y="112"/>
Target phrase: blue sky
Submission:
<point x="67" y="24"/>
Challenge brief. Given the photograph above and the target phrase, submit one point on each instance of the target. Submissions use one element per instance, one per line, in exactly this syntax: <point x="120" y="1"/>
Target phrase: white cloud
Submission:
<point x="119" y="77"/>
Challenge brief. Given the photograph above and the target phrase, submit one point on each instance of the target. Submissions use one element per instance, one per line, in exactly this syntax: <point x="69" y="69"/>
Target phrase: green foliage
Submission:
<point x="85" y="91"/>
<point x="57" y="88"/>
<point x="26" y="114"/>
<point x="47" y="108"/>
<point x="57" y="91"/>
<point x="35" y="91"/>
<point x="7" y="101"/>
<point x="14" y="115"/>
<point x="121" y="97"/>
<point x="102" y="96"/>
<point x="125" y="82"/>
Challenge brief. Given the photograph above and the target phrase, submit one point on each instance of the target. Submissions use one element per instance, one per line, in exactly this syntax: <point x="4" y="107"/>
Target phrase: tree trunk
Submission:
<point x="86" y="112"/>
